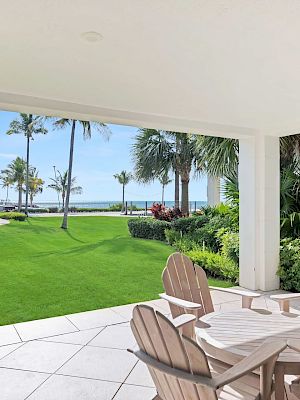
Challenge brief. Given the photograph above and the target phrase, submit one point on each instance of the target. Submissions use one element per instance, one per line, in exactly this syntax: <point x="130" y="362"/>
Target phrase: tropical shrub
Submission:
<point x="215" y="264"/>
<point x="13" y="215"/>
<point x="148" y="228"/>
<point x="229" y="245"/>
<point x="172" y="236"/>
<point x="160" y="212"/>
<point x="289" y="266"/>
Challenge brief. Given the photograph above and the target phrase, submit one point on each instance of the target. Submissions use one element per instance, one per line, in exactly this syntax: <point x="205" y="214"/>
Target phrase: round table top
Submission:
<point x="241" y="331"/>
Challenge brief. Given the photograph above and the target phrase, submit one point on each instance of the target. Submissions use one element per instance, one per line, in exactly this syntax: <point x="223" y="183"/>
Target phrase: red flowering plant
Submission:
<point x="159" y="211"/>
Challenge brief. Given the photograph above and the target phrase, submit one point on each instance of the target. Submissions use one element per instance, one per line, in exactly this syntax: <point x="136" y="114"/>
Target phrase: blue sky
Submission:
<point x="95" y="163"/>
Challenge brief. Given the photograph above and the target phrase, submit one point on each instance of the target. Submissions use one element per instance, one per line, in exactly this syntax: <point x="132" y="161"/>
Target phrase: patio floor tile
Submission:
<point x="40" y="356"/>
<point x="128" y="392"/>
<point x="17" y="385"/>
<point x="5" y="350"/>
<point x="44" y="327"/>
<point x="125" y="311"/>
<point x="60" y="387"/>
<point x="81" y="337"/>
<point x="8" y="335"/>
<point x="140" y="376"/>
<point x="100" y="363"/>
<point x="95" y="319"/>
<point x="115" y="336"/>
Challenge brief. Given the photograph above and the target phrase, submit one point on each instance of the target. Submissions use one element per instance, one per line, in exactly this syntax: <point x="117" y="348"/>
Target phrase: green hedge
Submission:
<point x="215" y="264"/>
<point x="13" y="215"/>
<point x="188" y="224"/>
<point x="148" y="228"/>
<point x="36" y="210"/>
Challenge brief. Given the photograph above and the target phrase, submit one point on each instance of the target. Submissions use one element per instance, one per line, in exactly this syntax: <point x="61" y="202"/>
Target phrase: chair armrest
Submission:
<point x="267" y="351"/>
<point x="182" y="320"/>
<point x="189" y="305"/>
<point x="247" y="296"/>
<point x="284" y="300"/>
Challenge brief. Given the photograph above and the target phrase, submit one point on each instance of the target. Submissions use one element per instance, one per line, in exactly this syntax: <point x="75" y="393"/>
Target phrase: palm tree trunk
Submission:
<point x="20" y="198"/>
<point x="176" y="189"/>
<point x="6" y="194"/>
<point x="63" y="201"/>
<point x="66" y="206"/>
<point x="162" y="194"/>
<point x="31" y="200"/>
<point x="123" y="199"/>
<point x="27" y="168"/>
<point x="185" y="195"/>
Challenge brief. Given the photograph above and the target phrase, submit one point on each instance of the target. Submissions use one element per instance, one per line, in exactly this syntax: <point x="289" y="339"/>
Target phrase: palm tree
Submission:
<point x="27" y="125"/>
<point x="6" y="183"/>
<point x="219" y="157"/>
<point x="87" y="128"/>
<point x="123" y="178"/>
<point x="164" y="180"/>
<point x="16" y="173"/>
<point x="60" y="185"/>
<point x="35" y="184"/>
<point x="155" y="152"/>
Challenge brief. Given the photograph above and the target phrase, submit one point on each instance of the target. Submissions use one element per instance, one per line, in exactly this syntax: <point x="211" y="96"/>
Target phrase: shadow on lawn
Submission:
<point x="116" y="245"/>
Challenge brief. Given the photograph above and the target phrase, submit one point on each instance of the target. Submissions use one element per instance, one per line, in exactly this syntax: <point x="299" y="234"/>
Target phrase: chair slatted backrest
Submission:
<point x="185" y="281"/>
<point x="158" y="338"/>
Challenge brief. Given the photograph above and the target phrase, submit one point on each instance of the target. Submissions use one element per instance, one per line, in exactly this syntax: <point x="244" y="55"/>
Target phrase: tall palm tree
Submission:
<point x="87" y="128"/>
<point x="60" y="185"/>
<point x="35" y="184"/>
<point x="123" y="178"/>
<point x="155" y="152"/>
<point x="164" y="180"/>
<point x="16" y="173"/>
<point x="6" y="183"/>
<point x="27" y="125"/>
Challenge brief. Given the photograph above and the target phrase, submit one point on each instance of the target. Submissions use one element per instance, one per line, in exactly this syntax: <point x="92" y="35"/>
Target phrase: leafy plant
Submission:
<point x="215" y="265"/>
<point x="163" y="213"/>
<point x="289" y="267"/>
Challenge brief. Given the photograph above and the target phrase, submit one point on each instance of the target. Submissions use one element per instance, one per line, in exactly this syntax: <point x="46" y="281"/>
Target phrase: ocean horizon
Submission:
<point x="108" y="204"/>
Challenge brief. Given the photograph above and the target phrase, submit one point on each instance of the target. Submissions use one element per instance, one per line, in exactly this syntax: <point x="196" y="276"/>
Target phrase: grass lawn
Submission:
<point x="46" y="271"/>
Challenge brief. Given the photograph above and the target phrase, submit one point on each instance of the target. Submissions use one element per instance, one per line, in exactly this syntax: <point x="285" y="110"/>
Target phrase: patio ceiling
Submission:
<point x="222" y="67"/>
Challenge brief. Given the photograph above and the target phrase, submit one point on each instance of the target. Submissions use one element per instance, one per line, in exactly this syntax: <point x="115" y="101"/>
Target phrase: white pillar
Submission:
<point x="213" y="190"/>
<point x="259" y="187"/>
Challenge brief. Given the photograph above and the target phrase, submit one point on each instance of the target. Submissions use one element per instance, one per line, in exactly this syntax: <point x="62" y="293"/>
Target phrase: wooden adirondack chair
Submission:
<point x="180" y="369"/>
<point x="187" y="290"/>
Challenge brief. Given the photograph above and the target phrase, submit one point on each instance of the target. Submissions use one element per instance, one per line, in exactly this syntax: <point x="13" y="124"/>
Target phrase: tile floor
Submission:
<point x="82" y="356"/>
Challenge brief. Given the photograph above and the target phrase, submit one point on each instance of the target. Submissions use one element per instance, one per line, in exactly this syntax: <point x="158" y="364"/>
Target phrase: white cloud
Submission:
<point x="8" y="155"/>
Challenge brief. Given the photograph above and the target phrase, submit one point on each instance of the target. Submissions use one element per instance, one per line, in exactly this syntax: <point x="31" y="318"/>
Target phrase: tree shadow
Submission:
<point x="115" y="245"/>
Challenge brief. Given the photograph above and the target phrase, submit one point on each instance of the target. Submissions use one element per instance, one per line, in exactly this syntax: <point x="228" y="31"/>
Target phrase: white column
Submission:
<point x="213" y="190"/>
<point x="259" y="186"/>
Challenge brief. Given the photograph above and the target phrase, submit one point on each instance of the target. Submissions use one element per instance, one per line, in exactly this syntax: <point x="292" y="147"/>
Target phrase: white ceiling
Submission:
<point x="225" y="67"/>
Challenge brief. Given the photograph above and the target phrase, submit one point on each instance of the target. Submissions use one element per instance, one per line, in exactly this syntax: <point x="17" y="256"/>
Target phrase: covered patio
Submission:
<point x="83" y="356"/>
<point x="218" y="68"/>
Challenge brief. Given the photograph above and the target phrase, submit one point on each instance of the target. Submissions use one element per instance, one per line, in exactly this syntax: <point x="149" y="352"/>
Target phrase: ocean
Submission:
<point x="194" y="204"/>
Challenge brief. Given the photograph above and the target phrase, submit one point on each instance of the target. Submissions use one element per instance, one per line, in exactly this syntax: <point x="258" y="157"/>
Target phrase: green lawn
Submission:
<point x="46" y="271"/>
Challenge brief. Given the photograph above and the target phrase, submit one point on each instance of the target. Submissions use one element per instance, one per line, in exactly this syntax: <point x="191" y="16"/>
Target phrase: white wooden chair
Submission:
<point x="180" y="369"/>
<point x="187" y="290"/>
